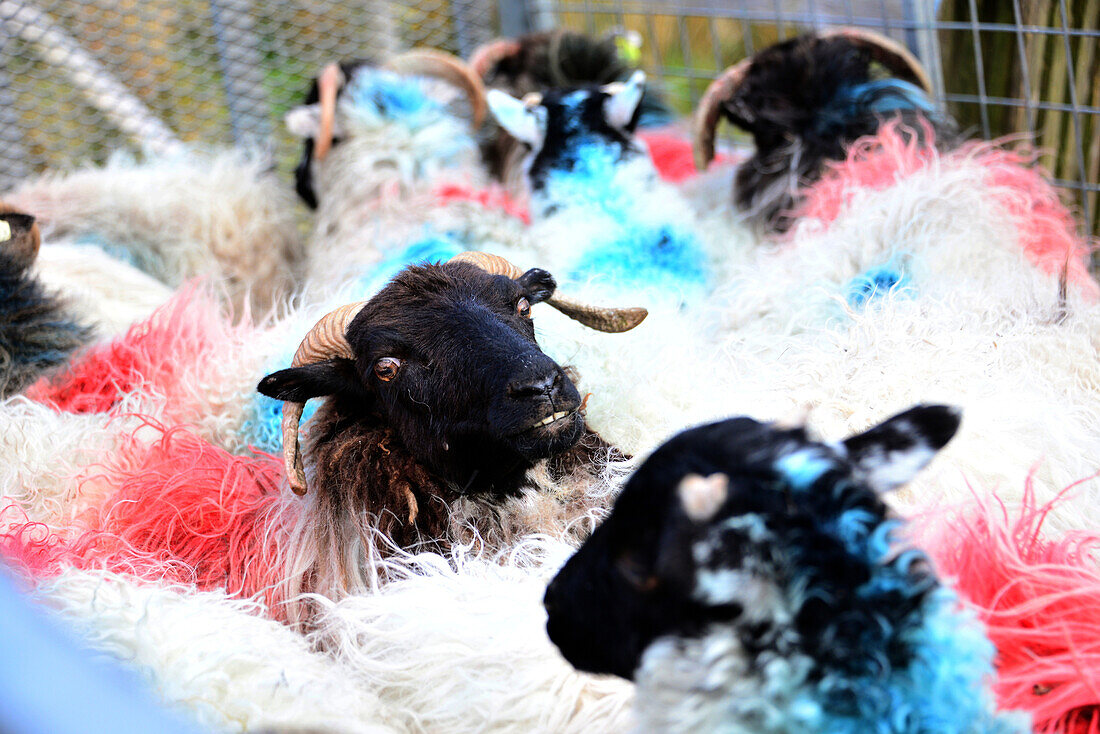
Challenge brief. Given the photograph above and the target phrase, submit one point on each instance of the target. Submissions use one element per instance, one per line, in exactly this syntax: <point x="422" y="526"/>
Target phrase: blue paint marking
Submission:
<point x="630" y="254"/>
<point x="804" y="467"/>
<point x="876" y="283"/>
<point x="393" y="96"/>
<point x="880" y="97"/>
<point x="641" y="257"/>
<point x="432" y="249"/>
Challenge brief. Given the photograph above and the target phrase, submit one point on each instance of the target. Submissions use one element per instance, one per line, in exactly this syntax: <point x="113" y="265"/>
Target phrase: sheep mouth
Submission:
<point x="550" y="419"/>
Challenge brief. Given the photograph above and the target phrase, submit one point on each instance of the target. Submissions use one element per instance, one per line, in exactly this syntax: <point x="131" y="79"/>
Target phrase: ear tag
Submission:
<point x="5" y="231"/>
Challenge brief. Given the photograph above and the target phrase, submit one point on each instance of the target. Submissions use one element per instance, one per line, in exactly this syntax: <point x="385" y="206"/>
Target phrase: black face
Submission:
<point x="446" y="356"/>
<point x="740" y="523"/>
<point x="804" y="101"/>
<point x="576" y="125"/>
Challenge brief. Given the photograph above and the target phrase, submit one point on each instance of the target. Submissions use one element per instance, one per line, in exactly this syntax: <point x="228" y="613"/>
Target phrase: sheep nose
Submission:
<point x="527" y="388"/>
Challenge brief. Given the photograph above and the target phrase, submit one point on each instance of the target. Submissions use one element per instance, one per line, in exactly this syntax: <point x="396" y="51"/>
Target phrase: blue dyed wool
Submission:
<point x="881" y="97"/>
<point x="876" y="283"/>
<point x="899" y="655"/>
<point x="431" y="249"/>
<point x="377" y="94"/>
<point x="630" y="251"/>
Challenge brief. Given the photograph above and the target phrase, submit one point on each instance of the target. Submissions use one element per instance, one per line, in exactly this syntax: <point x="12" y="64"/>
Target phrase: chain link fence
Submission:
<point x="82" y="78"/>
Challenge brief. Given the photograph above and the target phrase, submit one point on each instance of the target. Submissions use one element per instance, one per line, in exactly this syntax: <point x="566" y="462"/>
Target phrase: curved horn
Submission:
<point x="488" y="55"/>
<point x="326" y="340"/>
<point x="705" y="122"/>
<point x="451" y="69"/>
<point x="328" y="86"/>
<point x="888" y="52"/>
<point x="611" y="320"/>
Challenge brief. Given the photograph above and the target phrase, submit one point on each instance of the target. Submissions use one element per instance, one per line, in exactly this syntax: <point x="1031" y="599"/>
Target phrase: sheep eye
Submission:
<point x="386" y="368"/>
<point x="523" y="308"/>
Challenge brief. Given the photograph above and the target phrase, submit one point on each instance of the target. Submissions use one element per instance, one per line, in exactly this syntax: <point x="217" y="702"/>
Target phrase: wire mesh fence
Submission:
<point x="82" y="78"/>
<point x="1001" y="67"/>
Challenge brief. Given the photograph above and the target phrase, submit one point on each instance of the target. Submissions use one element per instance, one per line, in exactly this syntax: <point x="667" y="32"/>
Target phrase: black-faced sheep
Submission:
<point x="804" y="101"/>
<point x="438" y="393"/>
<point x="36" y="333"/>
<point x="598" y="209"/>
<point x="538" y="62"/>
<point x="383" y="144"/>
<point x="748" y="580"/>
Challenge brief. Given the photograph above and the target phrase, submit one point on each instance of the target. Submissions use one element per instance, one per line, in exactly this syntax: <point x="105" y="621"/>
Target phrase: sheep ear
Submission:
<point x="304" y="121"/>
<point x="299" y="384"/>
<point x="891" y="453"/>
<point x="620" y="106"/>
<point x="526" y="123"/>
<point x="537" y="284"/>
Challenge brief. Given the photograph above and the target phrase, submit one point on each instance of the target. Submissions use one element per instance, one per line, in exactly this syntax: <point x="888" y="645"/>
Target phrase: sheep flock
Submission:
<point x="823" y="419"/>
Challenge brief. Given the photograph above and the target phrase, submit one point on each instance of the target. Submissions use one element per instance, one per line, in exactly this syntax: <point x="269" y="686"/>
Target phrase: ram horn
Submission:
<point x="705" y="122"/>
<point x="611" y="320"/>
<point x="891" y="54"/>
<point x="451" y="69"/>
<point x="488" y="55"/>
<point x="888" y="52"/>
<point x="20" y="237"/>
<point x="326" y="340"/>
<point x="328" y="88"/>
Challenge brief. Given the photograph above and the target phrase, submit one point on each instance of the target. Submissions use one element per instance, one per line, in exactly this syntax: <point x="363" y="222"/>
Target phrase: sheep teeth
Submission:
<point x="551" y="418"/>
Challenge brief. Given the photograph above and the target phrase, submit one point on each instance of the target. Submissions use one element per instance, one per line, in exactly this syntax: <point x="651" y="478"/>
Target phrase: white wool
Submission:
<point x="215" y="658"/>
<point x="460" y="645"/>
<point x="979" y="330"/>
<point x="44" y="453"/>
<point x="220" y="213"/>
<point x="103" y="292"/>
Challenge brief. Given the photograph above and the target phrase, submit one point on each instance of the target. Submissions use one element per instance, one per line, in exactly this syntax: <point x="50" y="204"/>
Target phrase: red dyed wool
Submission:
<point x="152" y="356"/>
<point x="1046" y="228"/>
<point x="672" y="156"/>
<point x="493" y="197"/>
<point x="180" y="510"/>
<point x="1039" y="599"/>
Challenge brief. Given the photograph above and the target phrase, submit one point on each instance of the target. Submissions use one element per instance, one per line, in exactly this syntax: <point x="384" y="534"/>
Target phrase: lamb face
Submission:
<point x="571" y="135"/>
<point x="747" y="579"/>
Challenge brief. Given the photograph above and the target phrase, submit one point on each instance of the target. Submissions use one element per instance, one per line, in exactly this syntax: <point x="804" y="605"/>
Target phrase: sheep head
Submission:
<point x="803" y="101"/>
<point x="759" y="529"/>
<point x="20" y="237"/>
<point x="446" y="356"/>
<point x="570" y="131"/>
<point x="351" y="97"/>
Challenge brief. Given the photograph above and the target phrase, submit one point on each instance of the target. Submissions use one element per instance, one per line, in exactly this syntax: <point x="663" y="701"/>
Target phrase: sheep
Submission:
<point x="598" y="209"/>
<point x="473" y="407"/>
<point x="749" y="579"/>
<point x="804" y="101"/>
<point x="559" y="59"/>
<point x="37" y="332"/>
<point x="386" y="153"/>
<point x="218" y="214"/>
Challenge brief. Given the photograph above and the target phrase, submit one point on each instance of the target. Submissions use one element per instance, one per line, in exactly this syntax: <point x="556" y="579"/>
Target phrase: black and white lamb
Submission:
<point x="751" y="579"/>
